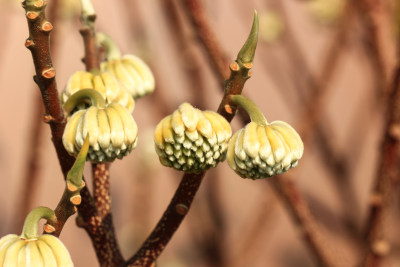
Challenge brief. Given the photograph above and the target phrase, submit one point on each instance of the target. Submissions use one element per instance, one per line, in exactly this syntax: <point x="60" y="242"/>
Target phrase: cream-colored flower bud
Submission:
<point x="47" y="250"/>
<point x="112" y="132"/>
<point x="192" y="140"/>
<point x="260" y="151"/>
<point x="103" y="82"/>
<point x="132" y="73"/>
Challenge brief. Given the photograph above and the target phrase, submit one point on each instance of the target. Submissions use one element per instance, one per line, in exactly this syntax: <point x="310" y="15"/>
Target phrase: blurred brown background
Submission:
<point x="233" y="221"/>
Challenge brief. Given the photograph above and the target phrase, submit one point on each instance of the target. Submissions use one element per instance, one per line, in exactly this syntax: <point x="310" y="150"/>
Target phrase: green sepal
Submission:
<point x="246" y="54"/>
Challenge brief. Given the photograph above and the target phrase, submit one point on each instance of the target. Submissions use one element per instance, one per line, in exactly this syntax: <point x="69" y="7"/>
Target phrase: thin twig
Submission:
<point x="183" y="197"/>
<point x="38" y="44"/>
<point x="31" y="175"/>
<point x="208" y="39"/>
<point x="288" y="191"/>
<point x="388" y="174"/>
<point x="211" y="244"/>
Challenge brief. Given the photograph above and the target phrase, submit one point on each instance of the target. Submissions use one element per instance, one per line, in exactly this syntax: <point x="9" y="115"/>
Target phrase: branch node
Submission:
<point x="248" y="65"/>
<point x="76" y="200"/>
<point x="181" y="209"/>
<point x="32" y="15"/>
<point x="29" y="43"/>
<point x="234" y="66"/>
<point x="39" y="4"/>
<point x="71" y="187"/>
<point x="47" y="26"/>
<point x="49" y="228"/>
<point x="47" y="118"/>
<point x="228" y="109"/>
<point x="49" y="73"/>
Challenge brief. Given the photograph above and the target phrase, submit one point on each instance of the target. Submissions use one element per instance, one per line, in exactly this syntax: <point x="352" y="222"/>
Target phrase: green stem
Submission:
<point x="30" y="229"/>
<point x="252" y="109"/>
<point x="111" y="47"/>
<point x="88" y="96"/>
<point x="74" y="176"/>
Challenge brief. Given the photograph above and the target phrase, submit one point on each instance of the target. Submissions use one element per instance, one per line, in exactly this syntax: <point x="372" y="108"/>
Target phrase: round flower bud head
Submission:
<point x="132" y="73"/>
<point x="46" y="250"/>
<point x="112" y="132"/>
<point x="191" y="140"/>
<point x="260" y="151"/>
<point x="103" y="82"/>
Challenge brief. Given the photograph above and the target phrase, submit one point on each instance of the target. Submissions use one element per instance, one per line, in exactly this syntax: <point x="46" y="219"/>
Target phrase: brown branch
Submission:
<point x="217" y="58"/>
<point x="298" y="209"/>
<point x="183" y="197"/>
<point x="31" y="175"/>
<point x="38" y="44"/>
<point x="387" y="175"/>
<point x="302" y="216"/>
<point x="212" y="244"/>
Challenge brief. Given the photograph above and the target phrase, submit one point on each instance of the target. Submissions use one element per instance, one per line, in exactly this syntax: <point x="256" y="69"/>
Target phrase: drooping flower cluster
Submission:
<point x="47" y="250"/>
<point x="132" y="73"/>
<point x="103" y="82"/>
<point x="100" y="103"/>
<point x="259" y="151"/>
<point x="112" y="132"/>
<point x="192" y="140"/>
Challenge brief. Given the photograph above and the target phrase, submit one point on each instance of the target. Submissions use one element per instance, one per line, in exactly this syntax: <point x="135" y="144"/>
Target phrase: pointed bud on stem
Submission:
<point x="246" y="54"/>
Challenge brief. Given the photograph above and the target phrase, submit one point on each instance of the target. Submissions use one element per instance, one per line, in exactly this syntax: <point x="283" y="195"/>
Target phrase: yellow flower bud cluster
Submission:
<point x="132" y="73"/>
<point x="112" y="132"/>
<point x="45" y="251"/>
<point x="260" y="151"/>
<point x="192" y="140"/>
<point x="103" y="82"/>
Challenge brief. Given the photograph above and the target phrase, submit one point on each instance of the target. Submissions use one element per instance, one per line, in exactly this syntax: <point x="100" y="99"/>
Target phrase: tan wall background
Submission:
<point x="258" y="230"/>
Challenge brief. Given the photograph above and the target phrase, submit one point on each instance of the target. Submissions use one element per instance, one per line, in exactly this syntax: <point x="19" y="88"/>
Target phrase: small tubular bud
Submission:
<point x="260" y="151"/>
<point x="112" y="132"/>
<point x="47" y="250"/>
<point x="132" y="73"/>
<point x="191" y="140"/>
<point x="103" y="82"/>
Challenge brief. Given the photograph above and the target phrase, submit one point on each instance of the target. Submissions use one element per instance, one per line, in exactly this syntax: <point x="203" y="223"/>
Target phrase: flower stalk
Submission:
<point x="30" y="229"/>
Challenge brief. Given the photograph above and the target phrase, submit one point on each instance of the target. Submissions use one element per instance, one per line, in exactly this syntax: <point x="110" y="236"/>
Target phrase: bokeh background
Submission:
<point x="319" y="66"/>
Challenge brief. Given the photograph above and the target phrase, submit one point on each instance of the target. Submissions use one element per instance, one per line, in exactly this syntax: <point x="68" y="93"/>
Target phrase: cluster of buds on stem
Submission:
<point x="111" y="129"/>
<point x="29" y="249"/>
<point x="263" y="149"/>
<point x="192" y="140"/>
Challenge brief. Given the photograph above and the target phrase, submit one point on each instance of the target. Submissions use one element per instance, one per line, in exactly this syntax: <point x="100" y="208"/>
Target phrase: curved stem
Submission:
<point x="252" y="109"/>
<point x="88" y="96"/>
<point x="112" y="50"/>
<point x="30" y="229"/>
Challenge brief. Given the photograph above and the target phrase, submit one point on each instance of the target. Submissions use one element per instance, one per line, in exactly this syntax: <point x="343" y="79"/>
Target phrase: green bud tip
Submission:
<point x="75" y="174"/>
<point x="246" y="54"/>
